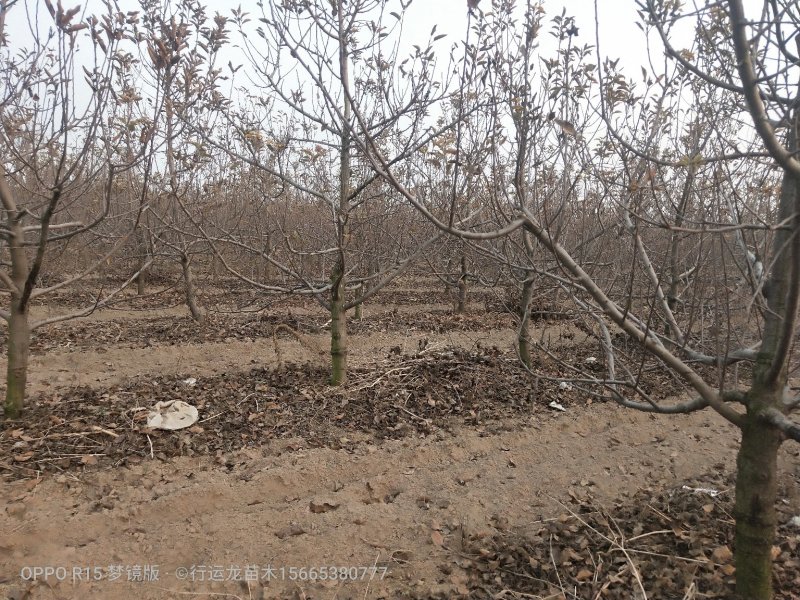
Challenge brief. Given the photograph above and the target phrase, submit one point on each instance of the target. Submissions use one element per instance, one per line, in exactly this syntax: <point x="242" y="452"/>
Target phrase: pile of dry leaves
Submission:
<point x="674" y="543"/>
<point x="428" y="392"/>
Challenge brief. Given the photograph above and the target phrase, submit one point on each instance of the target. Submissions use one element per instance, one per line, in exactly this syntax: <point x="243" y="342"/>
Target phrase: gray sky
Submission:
<point x="619" y="36"/>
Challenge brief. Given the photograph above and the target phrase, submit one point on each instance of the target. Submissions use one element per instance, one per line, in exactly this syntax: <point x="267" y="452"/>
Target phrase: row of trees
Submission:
<point x="314" y="141"/>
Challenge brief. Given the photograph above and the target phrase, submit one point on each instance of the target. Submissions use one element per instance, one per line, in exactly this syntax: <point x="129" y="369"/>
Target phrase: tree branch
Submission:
<point x="710" y="395"/>
<point x="752" y="92"/>
<point x="87" y="311"/>
<point x="782" y="422"/>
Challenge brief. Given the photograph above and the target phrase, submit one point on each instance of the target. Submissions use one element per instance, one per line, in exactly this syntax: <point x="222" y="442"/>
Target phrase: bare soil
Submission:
<point x="439" y="471"/>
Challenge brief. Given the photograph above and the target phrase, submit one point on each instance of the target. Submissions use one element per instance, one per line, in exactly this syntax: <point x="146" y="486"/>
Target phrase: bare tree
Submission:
<point x="57" y="143"/>
<point x="314" y="63"/>
<point x="677" y="144"/>
<point x="180" y="64"/>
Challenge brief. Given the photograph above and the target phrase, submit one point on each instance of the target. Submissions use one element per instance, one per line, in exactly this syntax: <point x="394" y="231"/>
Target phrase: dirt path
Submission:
<point x="116" y="314"/>
<point x="48" y="312"/>
<point x="108" y="366"/>
<point x="401" y="505"/>
<point x="377" y="506"/>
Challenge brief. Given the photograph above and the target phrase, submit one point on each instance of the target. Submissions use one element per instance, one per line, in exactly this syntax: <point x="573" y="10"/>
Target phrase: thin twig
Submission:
<point x="405" y="410"/>
<point x="619" y="546"/>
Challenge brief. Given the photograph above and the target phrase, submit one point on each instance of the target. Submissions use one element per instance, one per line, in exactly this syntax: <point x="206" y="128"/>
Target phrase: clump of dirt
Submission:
<point x="673" y="543"/>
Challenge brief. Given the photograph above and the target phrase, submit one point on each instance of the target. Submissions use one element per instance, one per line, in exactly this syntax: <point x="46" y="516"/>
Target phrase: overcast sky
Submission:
<point x="618" y="34"/>
<point x="619" y="37"/>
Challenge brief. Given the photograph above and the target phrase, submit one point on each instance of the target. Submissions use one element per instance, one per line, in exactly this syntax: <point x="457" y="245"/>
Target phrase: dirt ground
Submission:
<point x="431" y="475"/>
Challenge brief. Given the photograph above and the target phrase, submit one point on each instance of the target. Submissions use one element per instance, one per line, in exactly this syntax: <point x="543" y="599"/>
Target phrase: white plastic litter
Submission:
<point x="557" y="406"/>
<point x="171" y="415"/>
<point x="191" y="381"/>
<point x="590" y="360"/>
<point x="709" y="491"/>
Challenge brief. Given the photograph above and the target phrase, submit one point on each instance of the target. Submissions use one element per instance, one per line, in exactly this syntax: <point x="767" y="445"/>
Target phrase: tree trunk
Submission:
<point x="358" y="311"/>
<point x="188" y="284"/>
<point x="19" y="338"/>
<point x="338" y="279"/>
<point x="140" y="283"/>
<point x="215" y="269"/>
<point x="674" y="246"/>
<point x="448" y="283"/>
<point x="141" y="277"/>
<point x="523" y="335"/>
<point x="757" y="463"/>
<point x="461" y="307"/>
<point x="756" y="518"/>
<point x="338" y="328"/>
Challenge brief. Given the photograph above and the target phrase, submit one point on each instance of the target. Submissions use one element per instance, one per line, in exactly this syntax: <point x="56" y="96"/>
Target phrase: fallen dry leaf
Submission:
<point x="722" y="555"/>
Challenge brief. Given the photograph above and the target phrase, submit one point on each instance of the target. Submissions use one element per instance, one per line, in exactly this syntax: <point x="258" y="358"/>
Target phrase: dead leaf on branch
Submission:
<point x="566" y="127"/>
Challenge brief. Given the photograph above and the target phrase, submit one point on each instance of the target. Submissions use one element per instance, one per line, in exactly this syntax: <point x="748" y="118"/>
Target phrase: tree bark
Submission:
<point x="140" y="283"/>
<point x="756" y="517"/>
<point x="338" y="279"/>
<point x="756" y="478"/>
<point x="338" y="328"/>
<point x="188" y="285"/>
<point x="461" y="306"/>
<point x="359" y="310"/>
<point x="19" y="338"/>
<point x="674" y="247"/>
<point x="23" y="276"/>
<point x="141" y="278"/>
<point x="523" y="335"/>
